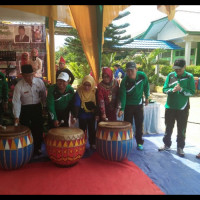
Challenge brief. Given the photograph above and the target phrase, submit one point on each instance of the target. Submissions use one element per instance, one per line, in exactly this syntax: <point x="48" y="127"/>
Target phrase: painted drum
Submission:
<point x="114" y="140"/>
<point x="16" y="146"/>
<point x="65" y="146"/>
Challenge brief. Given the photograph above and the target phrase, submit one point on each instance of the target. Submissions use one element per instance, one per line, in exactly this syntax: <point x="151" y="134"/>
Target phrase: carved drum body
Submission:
<point x="114" y="140"/>
<point x="65" y="146"/>
<point x="16" y="146"/>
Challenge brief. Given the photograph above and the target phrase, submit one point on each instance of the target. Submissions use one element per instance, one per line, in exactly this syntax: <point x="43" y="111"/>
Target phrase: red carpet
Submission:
<point x="92" y="175"/>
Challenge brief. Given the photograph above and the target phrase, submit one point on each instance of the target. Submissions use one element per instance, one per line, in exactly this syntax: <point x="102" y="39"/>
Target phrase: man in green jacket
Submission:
<point x="179" y="86"/>
<point x="3" y="96"/>
<point x="59" y="101"/>
<point x="132" y="88"/>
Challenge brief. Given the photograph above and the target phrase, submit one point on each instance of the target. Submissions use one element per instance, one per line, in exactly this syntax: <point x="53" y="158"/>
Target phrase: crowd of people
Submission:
<point x="92" y="103"/>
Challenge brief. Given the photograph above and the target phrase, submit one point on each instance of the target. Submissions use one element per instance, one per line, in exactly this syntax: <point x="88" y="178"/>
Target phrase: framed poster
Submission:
<point x="38" y="34"/>
<point x="22" y="34"/>
<point x="6" y="32"/>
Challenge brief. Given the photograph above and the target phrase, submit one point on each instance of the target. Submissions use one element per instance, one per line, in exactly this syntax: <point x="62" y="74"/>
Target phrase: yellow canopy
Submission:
<point x="86" y="19"/>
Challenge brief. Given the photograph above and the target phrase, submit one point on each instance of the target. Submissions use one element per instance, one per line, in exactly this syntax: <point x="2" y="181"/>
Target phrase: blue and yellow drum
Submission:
<point x="16" y="146"/>
<point x="114" y="140"/>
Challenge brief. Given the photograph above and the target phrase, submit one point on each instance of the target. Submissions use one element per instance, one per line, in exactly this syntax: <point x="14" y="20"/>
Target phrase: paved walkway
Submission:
<point x="193" y="126"/>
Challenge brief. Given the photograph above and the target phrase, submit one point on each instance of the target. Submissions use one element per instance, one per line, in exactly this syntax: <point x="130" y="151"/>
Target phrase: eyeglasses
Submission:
<point x="87" y="85"/>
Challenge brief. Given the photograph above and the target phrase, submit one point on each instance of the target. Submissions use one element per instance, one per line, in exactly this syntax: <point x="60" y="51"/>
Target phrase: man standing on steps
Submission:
<point x="179" y="86"/>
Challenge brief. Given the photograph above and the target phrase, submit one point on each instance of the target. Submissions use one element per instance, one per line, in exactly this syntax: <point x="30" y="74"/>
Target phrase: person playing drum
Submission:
<point x="59" y="101"/>
<point x="86" y="109"/>
<point x="132" y="87"/>
<point x="3" y="96"/>
<point x="107" y="95"/>
<point x="28" y="95"/>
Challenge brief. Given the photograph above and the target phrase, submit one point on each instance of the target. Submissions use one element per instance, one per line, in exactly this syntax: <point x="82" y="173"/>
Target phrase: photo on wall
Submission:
<point x="22" y="34"/>
<point x="6" y="32"/>
<point x="37" y="34"/>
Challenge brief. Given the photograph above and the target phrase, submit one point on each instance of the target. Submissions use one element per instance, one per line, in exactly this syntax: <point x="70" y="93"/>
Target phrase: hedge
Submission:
<point x="195" y="70"/>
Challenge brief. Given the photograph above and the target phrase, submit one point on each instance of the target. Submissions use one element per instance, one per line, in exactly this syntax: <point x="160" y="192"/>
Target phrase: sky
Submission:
<point x="140" y="18"/>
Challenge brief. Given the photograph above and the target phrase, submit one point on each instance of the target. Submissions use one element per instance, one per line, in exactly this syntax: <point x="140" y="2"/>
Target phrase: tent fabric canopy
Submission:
<point x="84" y="19"/>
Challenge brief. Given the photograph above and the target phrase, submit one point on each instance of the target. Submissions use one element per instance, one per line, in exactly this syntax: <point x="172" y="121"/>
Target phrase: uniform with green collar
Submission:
<point x="131" y="91"/>
<point x="57" y="102"/>
<point x="180" y="99"/>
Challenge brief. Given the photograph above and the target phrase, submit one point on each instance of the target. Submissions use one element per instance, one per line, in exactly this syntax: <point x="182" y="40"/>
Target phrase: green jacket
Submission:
<point x="131" y="91"/>
<point x="178" y="100"/>
<point x="57" y="101"/>
<point x="3" y="88"/>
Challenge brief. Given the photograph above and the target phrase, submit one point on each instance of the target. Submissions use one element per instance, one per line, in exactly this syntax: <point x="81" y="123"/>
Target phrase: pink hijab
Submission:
<point x="107" y="71"/>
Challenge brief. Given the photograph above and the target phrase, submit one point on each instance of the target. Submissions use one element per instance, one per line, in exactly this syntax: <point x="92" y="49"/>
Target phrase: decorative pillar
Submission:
<point x="52" y="51"/>
<point x="171" y="58"/>
<point x="187" y="52"/>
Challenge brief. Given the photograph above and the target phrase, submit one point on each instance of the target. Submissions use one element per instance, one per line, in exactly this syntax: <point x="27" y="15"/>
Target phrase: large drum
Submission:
<point x="65" y="146"/>
<point x="16" y="146"/>
<point x="114" y="140"/>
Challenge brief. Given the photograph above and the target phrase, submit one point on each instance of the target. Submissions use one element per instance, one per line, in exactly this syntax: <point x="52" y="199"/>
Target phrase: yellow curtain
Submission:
<point x="83" y="18"/>
<point x="168" y="9"/>
<point x="56" y="12"/>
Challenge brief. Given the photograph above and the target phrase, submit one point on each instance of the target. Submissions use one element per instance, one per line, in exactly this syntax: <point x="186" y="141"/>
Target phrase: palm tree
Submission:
<point x="148" y="60"/>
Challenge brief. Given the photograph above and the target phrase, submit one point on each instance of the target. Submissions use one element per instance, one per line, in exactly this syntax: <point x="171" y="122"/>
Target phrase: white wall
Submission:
<point x="170" y="31"/>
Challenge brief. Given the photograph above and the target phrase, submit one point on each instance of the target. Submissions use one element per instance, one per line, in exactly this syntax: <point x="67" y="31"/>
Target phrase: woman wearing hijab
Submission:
<point x="25" y="58"/>
<point x="86" y="108"/>
<point x="108" y="91"/>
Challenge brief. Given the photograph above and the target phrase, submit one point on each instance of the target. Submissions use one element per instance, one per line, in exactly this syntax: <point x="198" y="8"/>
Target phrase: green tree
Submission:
<point x="74" y="55"/>
<point x="113" y="34"/>
<point x="75" y="48"/>
<point x="147" y="60"/>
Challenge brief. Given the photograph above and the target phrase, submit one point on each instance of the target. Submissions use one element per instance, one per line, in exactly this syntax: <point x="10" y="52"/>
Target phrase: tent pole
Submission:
<point x="52" y="51"/>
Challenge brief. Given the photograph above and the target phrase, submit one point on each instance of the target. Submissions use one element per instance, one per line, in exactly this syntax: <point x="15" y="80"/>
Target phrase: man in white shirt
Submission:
<point x="28" y="98"/>
<point x="36" y="63"/>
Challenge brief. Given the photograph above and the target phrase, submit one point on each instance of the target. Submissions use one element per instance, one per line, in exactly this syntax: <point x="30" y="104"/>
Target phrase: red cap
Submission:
<point x="62" y="60"/>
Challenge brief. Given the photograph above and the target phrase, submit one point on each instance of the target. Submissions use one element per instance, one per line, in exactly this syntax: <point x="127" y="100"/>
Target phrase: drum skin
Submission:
<point x="65" y="146"/>
<point x="114" y="140"/>
<point x="16" y="146"/>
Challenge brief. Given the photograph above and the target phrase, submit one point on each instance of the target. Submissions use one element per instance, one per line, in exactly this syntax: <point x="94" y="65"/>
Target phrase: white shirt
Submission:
<point x="24" y="94"/>
<point x="37" y="66"/>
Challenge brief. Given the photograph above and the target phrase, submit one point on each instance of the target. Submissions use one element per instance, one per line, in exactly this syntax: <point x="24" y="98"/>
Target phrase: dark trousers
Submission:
<point x="88" y="124"/>
<point x="62" y="115"/>
<point x="1" y="113"/>
<point x="137" y="112"/>
<point x="181" y="117"/>
<point x="31" y="116"/>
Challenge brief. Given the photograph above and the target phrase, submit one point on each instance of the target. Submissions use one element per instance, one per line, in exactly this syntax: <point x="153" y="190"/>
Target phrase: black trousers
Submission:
<point x="181" y="117"/>
<point x="31" y="116"/>
<point x="137" y="112"/>
<point x="1" y="113"/>
<point x="61" y="116"/>
<point x="88" y="124"/>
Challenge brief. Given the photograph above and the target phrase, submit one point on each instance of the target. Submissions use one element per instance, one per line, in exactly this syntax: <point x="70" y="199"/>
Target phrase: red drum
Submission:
<point x="65" y="146"/>
<point x="114" y="140"/>
<point x="16" y="146"/>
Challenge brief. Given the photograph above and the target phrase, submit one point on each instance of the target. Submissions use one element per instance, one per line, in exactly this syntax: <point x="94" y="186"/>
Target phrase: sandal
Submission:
<point x="198" y="156"/>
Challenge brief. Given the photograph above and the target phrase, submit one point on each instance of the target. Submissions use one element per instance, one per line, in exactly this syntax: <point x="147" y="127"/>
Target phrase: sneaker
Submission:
<point x="165" y="148"/>
<point x="180" y="152"/>
<point x="140" y="147"/>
